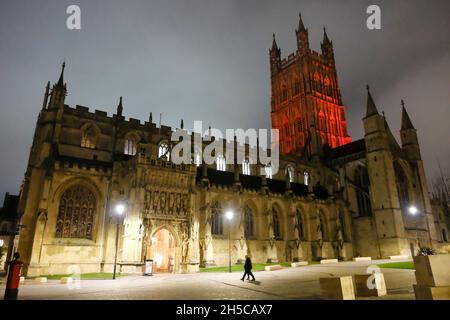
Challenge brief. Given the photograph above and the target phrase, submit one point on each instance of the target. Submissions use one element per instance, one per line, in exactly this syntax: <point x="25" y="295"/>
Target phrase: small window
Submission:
<point x="291" y="173"/>
<point x="276" y="224"/>
<point x="248" y="222"/>
<point x="197" y="158"/>
<point x="221" y="163"/>
<point x="163" y="151"/>
<point x="306" y="178"/>
<point x="268" y="170"/>
<point x="246" y="167"/>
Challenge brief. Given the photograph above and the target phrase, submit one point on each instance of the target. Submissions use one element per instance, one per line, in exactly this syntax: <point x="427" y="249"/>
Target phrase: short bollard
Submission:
<point x="12" y="283"/>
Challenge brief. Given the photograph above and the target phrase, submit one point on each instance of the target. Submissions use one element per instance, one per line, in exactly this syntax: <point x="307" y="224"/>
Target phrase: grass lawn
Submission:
<point x="398" y="265"/>
<point x="84" y="276"/>
<point x="240" y="267"/>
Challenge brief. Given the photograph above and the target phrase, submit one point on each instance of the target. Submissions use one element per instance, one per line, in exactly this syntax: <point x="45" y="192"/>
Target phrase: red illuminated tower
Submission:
<point x="306" y="100"/>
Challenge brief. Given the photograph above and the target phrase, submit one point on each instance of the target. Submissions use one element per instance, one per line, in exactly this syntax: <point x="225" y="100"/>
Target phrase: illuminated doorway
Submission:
<point x="163" y="251"/>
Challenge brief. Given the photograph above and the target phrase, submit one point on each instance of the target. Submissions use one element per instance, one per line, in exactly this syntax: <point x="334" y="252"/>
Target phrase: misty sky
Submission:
<point x="208" y="60"/>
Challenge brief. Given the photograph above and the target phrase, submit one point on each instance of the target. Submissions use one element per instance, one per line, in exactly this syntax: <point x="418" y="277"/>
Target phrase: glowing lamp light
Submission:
<point x="413" y="210"/>
<point x="2" y="242"/>
<point x="120" y="209"/>
<point x="229" y="214"/>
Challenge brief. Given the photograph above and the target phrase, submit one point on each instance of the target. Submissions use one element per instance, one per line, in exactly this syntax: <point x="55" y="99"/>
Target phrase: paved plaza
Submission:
<point x="288" y="283"/>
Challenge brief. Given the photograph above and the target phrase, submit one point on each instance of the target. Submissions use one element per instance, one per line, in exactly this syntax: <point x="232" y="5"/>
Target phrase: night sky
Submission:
<point x="208" y="60"/>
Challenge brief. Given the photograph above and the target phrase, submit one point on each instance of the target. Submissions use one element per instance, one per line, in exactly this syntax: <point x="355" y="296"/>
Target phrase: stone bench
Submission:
<point x="362" y="259"/>
<point x="375" y="279"/>
<point x="273" y="267"/>
<point x="338" y="288"/>
<point x="41" y="279"/>
<point x="325" y="261"/>
<point x="400" y="257"/>
<point x="299" y="264"/>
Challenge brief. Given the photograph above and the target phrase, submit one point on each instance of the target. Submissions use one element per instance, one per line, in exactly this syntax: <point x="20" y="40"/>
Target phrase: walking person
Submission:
<point x="248" y="269"/>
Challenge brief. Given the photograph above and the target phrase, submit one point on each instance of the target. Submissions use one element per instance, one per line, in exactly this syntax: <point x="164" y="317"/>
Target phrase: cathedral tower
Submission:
<point x="305" y="87"/>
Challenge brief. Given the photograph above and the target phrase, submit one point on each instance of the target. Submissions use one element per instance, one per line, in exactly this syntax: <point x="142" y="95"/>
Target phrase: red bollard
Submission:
<point x="12" y="284"/>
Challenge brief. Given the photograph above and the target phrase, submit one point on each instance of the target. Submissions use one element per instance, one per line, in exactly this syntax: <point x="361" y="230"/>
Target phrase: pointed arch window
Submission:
<point x="276" y="224"/>
<point x="88" y="138"/>
<point x="284" y="93"/>
<point x="163" y="151"/>
<point x="362" y="191"/>
<point x="216" y="219"/>
<point x="221" y="163"/>
<point x="76" y="213"/>
<point x="402" y="187"/>
<point x="296" y="87"/>
<point x="248" y="222"/>
<point x="300" y="225"/>
<point x="321" y="228"/>
<point x="342" y="223"/>
<point x="130" y="145"/>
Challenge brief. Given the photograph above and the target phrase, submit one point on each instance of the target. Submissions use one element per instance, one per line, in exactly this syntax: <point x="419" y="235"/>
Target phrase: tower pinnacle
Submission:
<point x="371" y="107"/>
<point x="406" y="120"/>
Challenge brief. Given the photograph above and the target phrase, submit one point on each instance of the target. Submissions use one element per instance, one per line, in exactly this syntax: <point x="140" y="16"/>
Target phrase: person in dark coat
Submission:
<point x="248" y="269"/>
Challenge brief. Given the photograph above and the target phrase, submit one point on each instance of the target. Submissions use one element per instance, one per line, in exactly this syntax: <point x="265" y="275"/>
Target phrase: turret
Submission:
<point x="275" y="57"/>
<point x="120" y="107"/>
<point x="302" y="36"/>
<point x="327" y="46"/>
<point x="59" y="92"/>
<point x="408" y="135"/>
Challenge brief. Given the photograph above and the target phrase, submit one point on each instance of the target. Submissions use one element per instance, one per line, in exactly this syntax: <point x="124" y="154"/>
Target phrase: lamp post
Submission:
<point x="119" y="210"/>
<point x="229" y="214"/>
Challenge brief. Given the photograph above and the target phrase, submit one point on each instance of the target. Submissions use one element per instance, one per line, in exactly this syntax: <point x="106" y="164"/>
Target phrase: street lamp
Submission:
<point x="413" y="210"/>
<point x="229" y="214"/>
<point x="119" y="210"/>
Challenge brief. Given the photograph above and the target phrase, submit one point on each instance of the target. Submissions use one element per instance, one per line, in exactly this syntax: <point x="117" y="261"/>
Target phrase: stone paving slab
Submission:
<point x="288" y="283"/>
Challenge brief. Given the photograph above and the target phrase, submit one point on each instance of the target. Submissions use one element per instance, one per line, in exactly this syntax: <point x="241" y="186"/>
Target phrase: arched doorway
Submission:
<point x="162" y="251"/>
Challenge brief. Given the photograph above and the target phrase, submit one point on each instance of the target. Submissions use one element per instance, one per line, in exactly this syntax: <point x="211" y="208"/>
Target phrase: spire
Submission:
<point x="274" y="44"/>
<point x="61" y="77"/>
<point x="182" y="124"/>
<point x="150" y="118"/>
<point x="406" y="121"/>
<point x="326" y="40"/>
<point x="120" y="107"/>
<point x="371" y="107"/>
<point x="301" y="26"/>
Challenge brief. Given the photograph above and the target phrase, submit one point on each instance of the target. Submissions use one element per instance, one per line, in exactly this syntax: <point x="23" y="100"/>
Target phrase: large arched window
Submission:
<point x="300" y="225"/>
<point x="290" y="171"/>
<point x="246" y="167"/>
<point x="248" y="222"/>
<point x="163" y="151"/>
<point x="216" y="219"/>
<point x="402" y="187"/>
<point x="221" y="163"/>
<point x="76" y="213"/>
<point x="88" y="138"/>
<point x="276" y="224"/>
<point x="362" y="191"/>
<point x="130" y="145"/>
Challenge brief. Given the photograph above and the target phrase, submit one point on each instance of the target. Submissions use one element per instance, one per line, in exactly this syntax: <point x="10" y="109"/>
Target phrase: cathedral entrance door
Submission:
<point x="163" y="251"/>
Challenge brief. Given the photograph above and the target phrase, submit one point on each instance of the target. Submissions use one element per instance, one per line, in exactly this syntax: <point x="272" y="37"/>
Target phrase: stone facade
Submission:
<point x="340" y="202"/>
